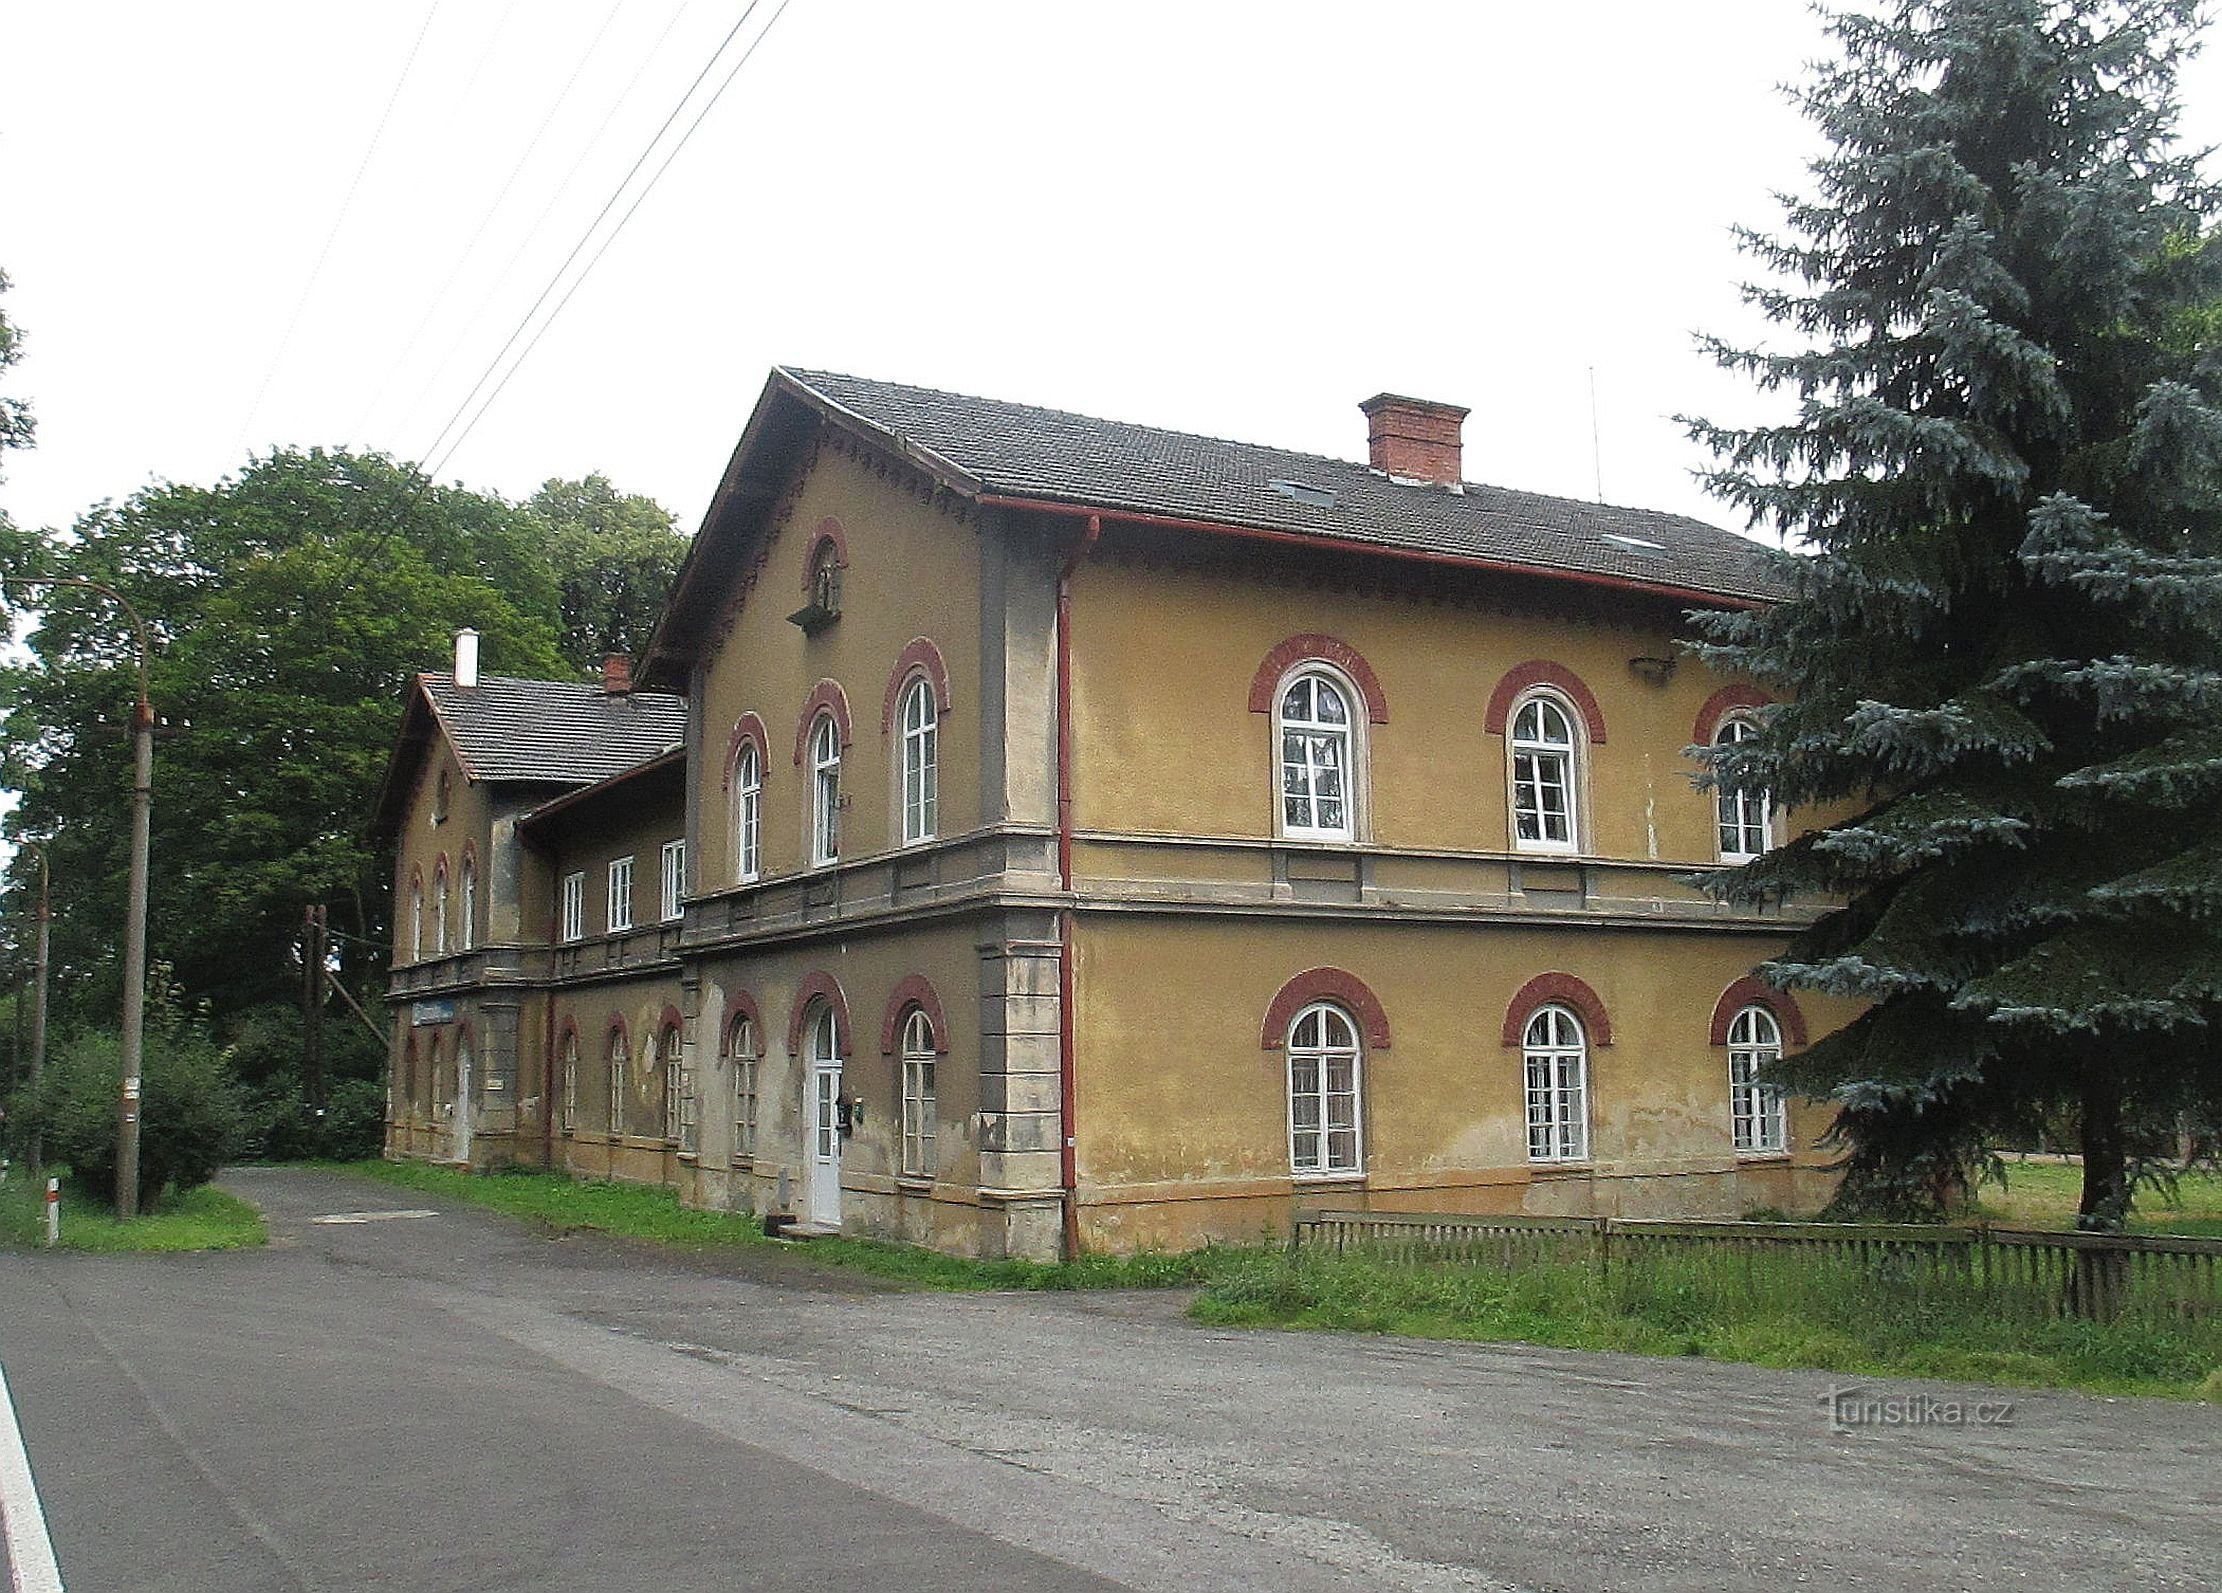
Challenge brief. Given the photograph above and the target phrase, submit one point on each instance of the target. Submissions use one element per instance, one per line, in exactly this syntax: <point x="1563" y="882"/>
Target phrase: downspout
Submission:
<point x="1067" y="1161"/>
<point x="548" y="1078"/>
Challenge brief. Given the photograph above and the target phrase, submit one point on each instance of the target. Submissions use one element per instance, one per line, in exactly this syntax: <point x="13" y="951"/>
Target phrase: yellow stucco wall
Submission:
<point x="1181" y="1114"/>
<point x="912" y="571"/>
<point x="877" y="1196"/>
<point x="1165" y="740"/>
<point x="423" y="841"/>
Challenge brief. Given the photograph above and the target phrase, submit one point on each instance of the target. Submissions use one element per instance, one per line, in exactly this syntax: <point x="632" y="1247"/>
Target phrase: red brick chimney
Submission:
<point x="617" y="674"/>
<point x="1414" y="438"/>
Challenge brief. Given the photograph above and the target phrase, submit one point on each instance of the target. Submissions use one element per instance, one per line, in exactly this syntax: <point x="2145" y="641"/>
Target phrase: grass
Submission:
<point x="1797" y="1316"/>
<point x="640" y="1211"/>
<point x="201" y="1219"/>
<point x="2044" y="1195"/>
<point x="1804" y="1317"/>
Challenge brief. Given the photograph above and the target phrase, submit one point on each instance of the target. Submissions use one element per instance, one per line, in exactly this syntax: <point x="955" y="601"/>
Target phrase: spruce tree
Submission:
<point x="2002" y="652"/>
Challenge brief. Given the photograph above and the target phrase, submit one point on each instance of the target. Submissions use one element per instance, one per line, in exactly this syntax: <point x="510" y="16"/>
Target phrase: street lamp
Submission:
<point x="135" y="906"/>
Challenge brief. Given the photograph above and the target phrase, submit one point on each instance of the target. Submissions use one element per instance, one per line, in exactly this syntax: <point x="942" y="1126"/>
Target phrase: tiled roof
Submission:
<point x="1022" y="451"/>
<point x="556" y="732"/>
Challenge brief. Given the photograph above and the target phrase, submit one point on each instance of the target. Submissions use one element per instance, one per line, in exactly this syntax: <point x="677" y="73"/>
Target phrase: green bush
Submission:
<point x="190" y="1113"/>
<point x="282" y="1128"/>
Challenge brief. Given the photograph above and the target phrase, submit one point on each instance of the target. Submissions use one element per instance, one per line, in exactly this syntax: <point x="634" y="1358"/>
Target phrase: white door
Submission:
<point x="822" y="1192"/>
<point x="459" y="1148"/>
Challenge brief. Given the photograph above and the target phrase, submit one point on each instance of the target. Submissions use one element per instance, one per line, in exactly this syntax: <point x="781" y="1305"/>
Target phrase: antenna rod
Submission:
<point x="1596" y="450"/>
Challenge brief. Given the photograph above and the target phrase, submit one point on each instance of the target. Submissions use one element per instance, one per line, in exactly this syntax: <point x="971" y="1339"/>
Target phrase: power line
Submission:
<point x="293" y="322"/>
<point x="578" y="281"/>
<point x="455" y="272"/>
<point x="599" y="216"/>
<point x="532" y="232"/>
<point x="427" y="475"/>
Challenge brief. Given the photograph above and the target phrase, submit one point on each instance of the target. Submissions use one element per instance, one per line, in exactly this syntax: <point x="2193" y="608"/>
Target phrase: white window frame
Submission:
<point x="1740" y="817"/>
<point x="672" y="875"/>
<point x="620" y="1062"/>
<point x="1534" y="748"/>
<point x="748" y="814"/>
<point x="921" y="1117"/>
<point x="1759" y="1113"/>
<point x="681" y="1123"/>
<point x="825" y="792"/>
<point x="1554" y="1052"/>
<point x="470" y="903"/>
<point x="439" y="912"/>
<point x="416" y="920"/>
<point x="574" y="906"/>
<point x="620" y="901"/>
<point x="570" y="1103"/>
<point x="1316" y="732"/>
<point x="742" y="1049"/>
<point x="918" y="722"/>
<point x="1320" y="1147"/>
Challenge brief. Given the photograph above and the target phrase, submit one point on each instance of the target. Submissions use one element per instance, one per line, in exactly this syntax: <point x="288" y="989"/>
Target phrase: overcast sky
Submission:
<point x="233" y="226"/>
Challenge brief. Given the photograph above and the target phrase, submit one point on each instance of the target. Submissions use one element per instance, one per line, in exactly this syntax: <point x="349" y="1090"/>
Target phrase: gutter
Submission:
<point x="1329" y="541"/>
<point x="1067" y="1160"/>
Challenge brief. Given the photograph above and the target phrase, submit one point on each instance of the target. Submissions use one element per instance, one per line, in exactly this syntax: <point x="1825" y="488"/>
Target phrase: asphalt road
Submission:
<point x="457" y="1401"/>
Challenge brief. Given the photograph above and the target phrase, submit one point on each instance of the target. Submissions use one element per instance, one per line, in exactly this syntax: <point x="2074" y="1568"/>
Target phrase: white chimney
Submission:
<point x="466" y="657"/>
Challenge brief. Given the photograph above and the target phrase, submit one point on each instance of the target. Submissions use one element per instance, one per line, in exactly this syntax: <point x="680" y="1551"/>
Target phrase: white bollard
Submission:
<point x="53" y="1212"/>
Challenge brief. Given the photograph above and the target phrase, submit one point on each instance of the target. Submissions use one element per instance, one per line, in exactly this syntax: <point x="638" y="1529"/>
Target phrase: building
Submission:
<point x="1061" y="832"/>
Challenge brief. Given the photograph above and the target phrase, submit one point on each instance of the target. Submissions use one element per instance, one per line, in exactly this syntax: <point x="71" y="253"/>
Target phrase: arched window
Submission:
<point x="1314" y="730"/>
<point x="570" y="1101"/>
<point x="405" y="1088"/>
<point x="825" y="791"/>
<point x="416" y="918"/>
<point x="1744" y="818"/>
<point x="682" y="1127"/>
<point x="1546" y="773"/>
<point x="470" y="903"/>
<point x="920" y="1119"/>
<point x="620" y="1059"/>
<point x="823" y="1059"/>
<point x="1557" y="1056"/>
<point x="1757" y="1107"/>
<point x="440" y="799"/>
<point x="825" y="578"/>
<point x="748" y="812"/>
<point x="741" y="1048"/>
<point x="1323" y="1092"/>
<point x="439" y="911"/>
<point x="920" y="722"/>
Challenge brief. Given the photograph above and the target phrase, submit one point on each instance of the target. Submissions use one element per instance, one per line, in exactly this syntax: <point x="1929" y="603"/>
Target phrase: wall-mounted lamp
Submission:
<point x="1652" y="671"/>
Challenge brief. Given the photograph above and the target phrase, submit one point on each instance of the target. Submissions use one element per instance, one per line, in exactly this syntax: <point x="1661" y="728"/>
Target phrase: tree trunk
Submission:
<point x="2095" y="1291"/>
<point x="2105" y="1204"/>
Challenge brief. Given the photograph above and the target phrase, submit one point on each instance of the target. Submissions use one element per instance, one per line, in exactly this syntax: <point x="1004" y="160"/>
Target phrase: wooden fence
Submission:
<point x="2025" y="1271"/>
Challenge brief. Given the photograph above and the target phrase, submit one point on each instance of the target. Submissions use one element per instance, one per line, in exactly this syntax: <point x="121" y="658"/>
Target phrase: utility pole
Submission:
<point x="312" y="1006"/>
<point x="135" y="953"/>
<point x="35" y="1152"/>
<point x="135" y="909"/>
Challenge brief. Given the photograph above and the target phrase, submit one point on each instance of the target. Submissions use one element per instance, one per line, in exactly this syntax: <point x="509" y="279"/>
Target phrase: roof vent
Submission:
<point x="1305" y="492"/>
<point x="1642" y="547"/>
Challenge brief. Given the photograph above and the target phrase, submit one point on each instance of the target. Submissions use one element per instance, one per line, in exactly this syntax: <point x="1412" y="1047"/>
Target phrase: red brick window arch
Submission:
<point x="1565" y="990"/>
<point x="819" y="988"/>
